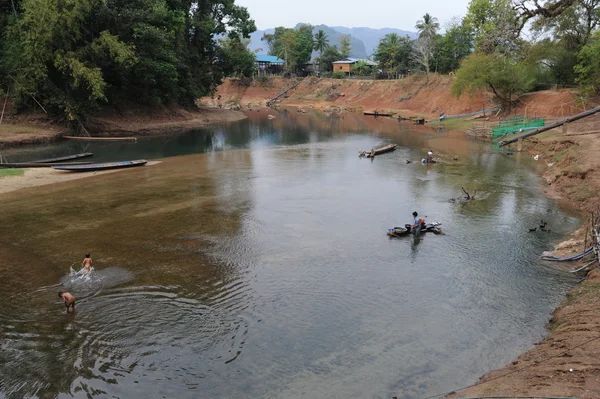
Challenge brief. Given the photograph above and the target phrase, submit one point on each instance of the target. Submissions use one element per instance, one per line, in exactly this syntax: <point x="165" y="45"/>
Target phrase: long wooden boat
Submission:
<point x="65" y="158"/>
<point x="40" y="165"/>
<point x="102" y="166"/>
<point x="366" y="113"/>
<point x="378" y="151"/>
<point x="100" y="138"/>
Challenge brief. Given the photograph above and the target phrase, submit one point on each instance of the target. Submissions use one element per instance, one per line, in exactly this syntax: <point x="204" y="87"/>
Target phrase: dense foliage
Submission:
<point x="294" y="46"/>
<point x="73" y="56"/>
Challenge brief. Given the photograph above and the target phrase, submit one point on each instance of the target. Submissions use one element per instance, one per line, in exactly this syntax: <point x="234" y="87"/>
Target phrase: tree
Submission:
<point x="328" y="57"/>
<point x="494" y="24"/>
<point x="294" y="46"/>
<point x="394" y="53"/>
<point x="321" y="41"/>
<point x="421" y="54"/>
<point x="75" y="56"/>
<point x="528" y="9"/>
<point x="574" y="26"/>
<point x="362" y="68"/>
<point x="427" y="27"/>
<point x="237" y="59"/>
<point x="588" y="67"/>
<point x="450" y="49"/>
<point x="503" y="76"/>
<point x="345" y="47"/>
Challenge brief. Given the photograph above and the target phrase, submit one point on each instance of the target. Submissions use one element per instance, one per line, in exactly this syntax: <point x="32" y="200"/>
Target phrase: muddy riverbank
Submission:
<point x="36" y="128"/>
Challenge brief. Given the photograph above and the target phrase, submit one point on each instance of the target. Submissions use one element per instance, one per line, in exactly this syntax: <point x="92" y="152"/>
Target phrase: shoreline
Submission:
<point x="27" y="130"/>
<point x="37" y="177"/>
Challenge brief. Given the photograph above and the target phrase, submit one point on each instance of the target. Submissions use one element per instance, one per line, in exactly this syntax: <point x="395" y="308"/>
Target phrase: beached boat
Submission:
<point x="378" y="151"/>
<point x="65" y="158"/>
<point x="102" y="166"/>
<point x="100" y="138"/>
<point x="41" y="165"/>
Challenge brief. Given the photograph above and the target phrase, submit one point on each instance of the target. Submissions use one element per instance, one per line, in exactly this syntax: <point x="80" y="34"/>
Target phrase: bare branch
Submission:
<point x="528" y="9"/>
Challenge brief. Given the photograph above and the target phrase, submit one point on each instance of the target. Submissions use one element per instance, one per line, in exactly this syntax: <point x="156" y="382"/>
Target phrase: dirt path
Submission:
<point x="43" y="176"/>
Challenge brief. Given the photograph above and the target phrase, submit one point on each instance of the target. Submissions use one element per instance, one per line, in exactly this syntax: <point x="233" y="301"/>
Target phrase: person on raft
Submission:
<point x="430" y="157"/>
<point x="418" y="224"/>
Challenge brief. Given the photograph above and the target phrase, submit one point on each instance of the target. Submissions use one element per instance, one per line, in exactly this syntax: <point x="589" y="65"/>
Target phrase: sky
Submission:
<point x="399" y="14"/>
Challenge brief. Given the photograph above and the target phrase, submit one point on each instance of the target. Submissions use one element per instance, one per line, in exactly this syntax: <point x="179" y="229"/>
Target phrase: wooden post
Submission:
<point x="564" y="128"/>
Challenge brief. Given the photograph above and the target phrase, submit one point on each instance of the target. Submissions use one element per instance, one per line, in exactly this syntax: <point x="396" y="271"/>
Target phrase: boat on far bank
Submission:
<point x="81" y="138"/>
<point x="378" y="151"/>
<point x="102" y="166"/>
<point x="65" y="158"/>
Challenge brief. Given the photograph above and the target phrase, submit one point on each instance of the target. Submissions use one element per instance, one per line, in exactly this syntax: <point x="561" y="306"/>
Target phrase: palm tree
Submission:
<point x="321" y="41"/>
<point x="428" y="26"/>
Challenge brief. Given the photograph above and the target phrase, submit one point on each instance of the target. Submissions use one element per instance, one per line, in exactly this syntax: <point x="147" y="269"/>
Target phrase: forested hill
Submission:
<point x="364" y="41"/>
<point x="74" y="56"/>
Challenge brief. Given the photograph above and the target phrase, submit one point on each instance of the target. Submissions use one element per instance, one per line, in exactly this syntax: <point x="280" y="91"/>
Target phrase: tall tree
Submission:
<point x="321" y="41"/>
<point x="588" y="67"/>
<point x="345" y="47"/>
<point x="294" y="46"/>
<point x="494" y="25"/>
<point x="452" y="47"/>
<point x="394" y="53"/>
<point x="427" y="27"/>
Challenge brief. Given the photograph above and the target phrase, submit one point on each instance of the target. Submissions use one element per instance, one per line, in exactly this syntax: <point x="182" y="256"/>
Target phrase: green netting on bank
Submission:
<point x="515" y="124"/>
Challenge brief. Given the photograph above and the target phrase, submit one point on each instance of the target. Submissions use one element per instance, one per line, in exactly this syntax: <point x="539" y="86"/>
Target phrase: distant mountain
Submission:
<point x="256" y="44"/>
<point x="370" y="37"/>
<point x="363" y="40"/>
<point x="334" y="36"/>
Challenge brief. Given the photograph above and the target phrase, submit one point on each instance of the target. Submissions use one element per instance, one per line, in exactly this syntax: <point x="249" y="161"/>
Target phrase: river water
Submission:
<point x="257" y="266"/>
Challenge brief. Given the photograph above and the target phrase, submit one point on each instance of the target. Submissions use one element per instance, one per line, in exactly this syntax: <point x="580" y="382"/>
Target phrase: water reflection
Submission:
<point x="264" y="270"/>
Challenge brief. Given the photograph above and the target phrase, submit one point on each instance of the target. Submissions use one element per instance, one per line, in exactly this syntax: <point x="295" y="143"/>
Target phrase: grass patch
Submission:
<point x="6" y="128"/>
<point x="456" y="124"/>
<point x="11" y="172"/>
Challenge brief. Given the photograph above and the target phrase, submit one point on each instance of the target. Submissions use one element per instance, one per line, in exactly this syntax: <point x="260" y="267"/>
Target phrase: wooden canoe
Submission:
<point x="100" y="138"/>
<point x="65" y="158"/>
<point x="379" y="151"/>
<point x="40" y="165"/>
<point x="102" y="166"/>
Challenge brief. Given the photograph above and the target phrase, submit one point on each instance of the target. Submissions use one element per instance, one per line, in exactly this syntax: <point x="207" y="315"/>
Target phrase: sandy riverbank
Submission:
<point x="35" y="177"/>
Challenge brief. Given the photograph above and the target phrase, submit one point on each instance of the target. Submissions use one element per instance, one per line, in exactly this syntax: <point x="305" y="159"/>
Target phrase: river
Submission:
<point x="253" y="262"/>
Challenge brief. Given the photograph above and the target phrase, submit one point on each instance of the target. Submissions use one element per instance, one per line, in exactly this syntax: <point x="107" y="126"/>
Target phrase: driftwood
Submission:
<point x="469" y="197"/>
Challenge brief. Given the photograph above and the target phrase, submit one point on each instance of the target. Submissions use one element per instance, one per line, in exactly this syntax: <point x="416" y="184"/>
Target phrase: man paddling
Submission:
<point x="69" y="300"/>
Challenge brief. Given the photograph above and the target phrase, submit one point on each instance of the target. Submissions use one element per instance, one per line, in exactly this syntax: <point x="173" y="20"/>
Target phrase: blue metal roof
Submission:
<point x="269" y="58"/>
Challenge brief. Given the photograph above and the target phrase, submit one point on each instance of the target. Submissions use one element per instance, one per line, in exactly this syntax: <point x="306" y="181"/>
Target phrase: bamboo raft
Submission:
<point x="378" y="151"/>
